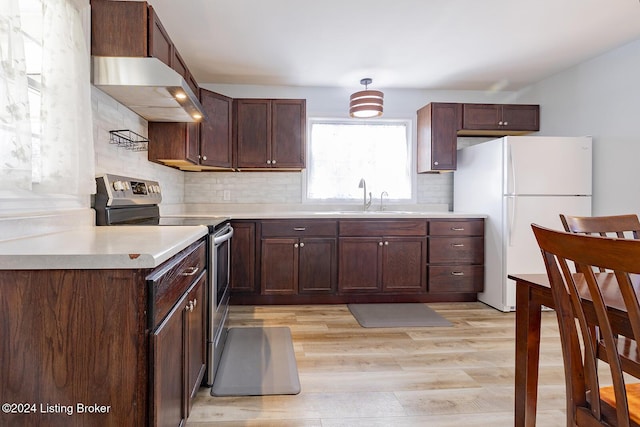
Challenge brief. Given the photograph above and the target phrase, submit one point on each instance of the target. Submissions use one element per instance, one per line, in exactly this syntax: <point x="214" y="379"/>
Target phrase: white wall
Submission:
<point x="601" y="98"/>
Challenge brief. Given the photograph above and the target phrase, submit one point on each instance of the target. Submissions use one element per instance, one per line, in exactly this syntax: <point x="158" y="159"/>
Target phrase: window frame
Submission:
<point x="411" y="147"/>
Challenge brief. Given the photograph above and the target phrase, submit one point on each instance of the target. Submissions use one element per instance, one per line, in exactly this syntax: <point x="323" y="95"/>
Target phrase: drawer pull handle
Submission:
<point x="191" y="271"/>
<point x="457" y="245"/>
<point x="457" y="273"/>
<point x="299" y="228"/>
<point x="457" y="228"/>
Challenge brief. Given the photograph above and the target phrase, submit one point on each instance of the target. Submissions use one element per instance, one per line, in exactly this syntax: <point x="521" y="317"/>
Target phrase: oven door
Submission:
<point x="220" y="246"/>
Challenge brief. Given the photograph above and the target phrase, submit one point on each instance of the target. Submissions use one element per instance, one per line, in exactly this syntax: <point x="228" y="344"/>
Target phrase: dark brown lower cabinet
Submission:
<point x="307" y="261"/>
<point x="179" y="358"/>
<point x="243" y="257"/>
<point x="317" y="268"/>
<point x="295" y="265"/>
<point x="112" y="347"/>
<point x="382" y="264"/>
<point x="359" y="260"/>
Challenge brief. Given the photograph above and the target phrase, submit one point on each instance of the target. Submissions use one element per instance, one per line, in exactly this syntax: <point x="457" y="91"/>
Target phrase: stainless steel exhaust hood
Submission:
<point x="148" y="87"/>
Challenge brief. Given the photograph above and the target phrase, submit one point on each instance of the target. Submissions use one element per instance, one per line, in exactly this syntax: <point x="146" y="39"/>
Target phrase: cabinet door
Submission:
<point x="359" y="263"/>
<point x="119" y="28"/>
<point x="215" y="132"/>
<point x="196" y="324"/>
<point x="160" y="45"/>
<point x="173" y="143"/>
<point x="253" y="133"/>
<point x="243" y="257"/>
<point x="437" y="137"/>
<point x="521" y="117"/>
<point x="288" y="133"/>
<point x="317" y="265"/>
<point x="404" y="263"/>
<point x="178" y="64"/>
<point x="168" y="403"/>
<point x="481" y="116"/>
<point x="279" y="267"/>
<point x="193" y="142"/>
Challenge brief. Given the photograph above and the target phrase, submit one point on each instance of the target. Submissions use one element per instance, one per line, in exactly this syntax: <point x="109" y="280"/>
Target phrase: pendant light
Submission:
<point x="366" y="103"/>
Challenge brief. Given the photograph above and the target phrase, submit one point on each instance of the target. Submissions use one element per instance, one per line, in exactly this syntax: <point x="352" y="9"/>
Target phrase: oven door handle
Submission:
<point x="217" y="240"/>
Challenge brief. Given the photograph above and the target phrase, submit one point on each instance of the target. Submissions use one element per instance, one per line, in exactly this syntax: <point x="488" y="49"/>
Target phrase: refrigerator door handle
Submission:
<point x="512" y="167"/>
<point x="511" y="210"/>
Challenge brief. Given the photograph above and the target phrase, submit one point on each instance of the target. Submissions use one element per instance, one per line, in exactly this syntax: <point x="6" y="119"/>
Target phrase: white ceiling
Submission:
<point x="425" y="44"/>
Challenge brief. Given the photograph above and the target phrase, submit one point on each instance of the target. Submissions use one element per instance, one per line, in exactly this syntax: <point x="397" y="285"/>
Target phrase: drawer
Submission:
<point x="395" y="227"/>
<point x="170" y="282"/>
<point x="293" y="228"/>
<point x="458" y="250"/>
<point x="456" y="228"/>
<point x="456" y="278"/>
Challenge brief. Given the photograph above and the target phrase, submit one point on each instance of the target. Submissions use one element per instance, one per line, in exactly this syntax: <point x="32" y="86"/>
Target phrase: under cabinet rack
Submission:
<point x="129" y="140"/>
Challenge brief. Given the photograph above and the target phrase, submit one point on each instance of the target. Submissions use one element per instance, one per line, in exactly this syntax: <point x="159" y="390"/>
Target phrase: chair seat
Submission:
<point x="633" y="400"/>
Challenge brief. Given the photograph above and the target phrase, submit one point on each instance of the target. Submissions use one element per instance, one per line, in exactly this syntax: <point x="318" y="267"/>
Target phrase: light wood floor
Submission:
<point x="356" y="377"/>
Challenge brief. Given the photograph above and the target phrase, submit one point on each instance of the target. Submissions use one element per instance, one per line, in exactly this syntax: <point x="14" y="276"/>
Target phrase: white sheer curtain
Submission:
<point x="65" y="164"/>
<point x="15" y="128"/>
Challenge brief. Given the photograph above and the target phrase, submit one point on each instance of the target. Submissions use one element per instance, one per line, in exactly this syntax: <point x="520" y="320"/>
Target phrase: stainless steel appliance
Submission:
<point x="122" y="200"/>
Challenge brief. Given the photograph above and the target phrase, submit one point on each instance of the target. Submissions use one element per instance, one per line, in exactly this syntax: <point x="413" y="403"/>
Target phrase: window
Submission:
<point x="341" y="152"/>
<point x="46" y="134"/>
<point x="31" y="22"/>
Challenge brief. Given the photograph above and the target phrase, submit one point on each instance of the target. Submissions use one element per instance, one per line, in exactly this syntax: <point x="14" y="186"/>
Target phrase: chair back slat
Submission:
<point x="588" y="253"/>
<point x="622" y="226"/>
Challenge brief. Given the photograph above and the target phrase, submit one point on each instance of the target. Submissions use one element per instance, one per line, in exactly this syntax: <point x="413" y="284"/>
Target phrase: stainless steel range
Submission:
<point x="122" y="200"/>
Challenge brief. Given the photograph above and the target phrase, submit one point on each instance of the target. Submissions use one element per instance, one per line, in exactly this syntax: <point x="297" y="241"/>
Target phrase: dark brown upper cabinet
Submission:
<point x="270" y="134"/>
<point x="439" y="124"/>
<point x="437" y="138"/>
<point x="216" y="131"/>
<point x="132" y="28"/>
<point x="511" y="118"/>
<point x="196" y="146"/>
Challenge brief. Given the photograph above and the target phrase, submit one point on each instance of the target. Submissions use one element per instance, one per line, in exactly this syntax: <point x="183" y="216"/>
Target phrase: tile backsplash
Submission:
<point x="287" y="188"/>
<point x="108" y="115"/>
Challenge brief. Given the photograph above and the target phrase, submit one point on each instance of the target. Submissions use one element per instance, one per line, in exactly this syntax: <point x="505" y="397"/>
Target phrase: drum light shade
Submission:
<point x="366" y="103"/>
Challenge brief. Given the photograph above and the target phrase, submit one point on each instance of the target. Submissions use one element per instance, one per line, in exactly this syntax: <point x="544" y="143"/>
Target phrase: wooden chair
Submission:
<point x="588" y="404"/>
<point x="623" y="226"/>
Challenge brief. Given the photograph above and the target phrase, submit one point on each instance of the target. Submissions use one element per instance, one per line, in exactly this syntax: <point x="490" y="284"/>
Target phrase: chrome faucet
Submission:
<point x="363" y="185"/>
<point x="384" y="193"/>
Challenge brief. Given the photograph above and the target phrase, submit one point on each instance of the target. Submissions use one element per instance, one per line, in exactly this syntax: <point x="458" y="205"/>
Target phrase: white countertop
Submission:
<point x="351" y="214"/>
<point x="98" y="248"/>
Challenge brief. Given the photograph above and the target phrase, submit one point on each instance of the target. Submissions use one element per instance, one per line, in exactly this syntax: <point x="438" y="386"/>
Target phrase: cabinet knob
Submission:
<point x="379" y="243"/>
<point x="204" y="157"/>
<point x="302" y="244"/>
<point x="505" y="123"/>
<point x="457" y="228"/>
<point x="386" y="243"/>
<point x="457" y="273"/>
<point x="436" y="163"/>
<point x="273" y="162"/>
<point x="268" y="162"/>
<point x="195" y="302"/>
<point x="457" y="245"/>
<point x="296" y="245"/>
<point x="189" y="306"/>
<point x="500" y="123"/>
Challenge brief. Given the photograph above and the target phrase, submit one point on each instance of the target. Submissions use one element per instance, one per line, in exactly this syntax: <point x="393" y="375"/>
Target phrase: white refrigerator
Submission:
<point x="516" y="181"/>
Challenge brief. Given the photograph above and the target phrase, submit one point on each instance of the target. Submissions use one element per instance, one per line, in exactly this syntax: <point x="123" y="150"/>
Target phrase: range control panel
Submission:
<point x="117" y="190"/>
